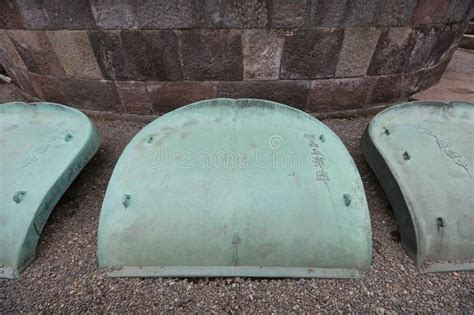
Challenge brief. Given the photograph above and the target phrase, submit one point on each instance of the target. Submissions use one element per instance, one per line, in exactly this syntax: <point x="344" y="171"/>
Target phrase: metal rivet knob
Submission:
<point x="347" y="199"/>
<point x="150" y="139"/>
<point x="440" y="222"/>
<point x="236" y="240"/>
<point x="322" y="138"/>
<point x="19" y="196"/>
<point x="386" y="131"/>
<point x="406" y="156"/>
<point x="67" y="137"/>
<point x="126" y="200"/>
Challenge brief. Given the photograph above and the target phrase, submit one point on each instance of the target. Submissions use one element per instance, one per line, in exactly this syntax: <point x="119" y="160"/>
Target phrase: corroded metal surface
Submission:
<point x="43" y="147"/>
<point x="235" y="188"/>
<point x="423" y="156"/>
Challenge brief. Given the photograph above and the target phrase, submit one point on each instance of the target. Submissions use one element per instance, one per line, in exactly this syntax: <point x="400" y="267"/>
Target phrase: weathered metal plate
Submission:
<point x="422" y="153"/>
<point x="235" y="188"/>
<point x="43" y="147"/>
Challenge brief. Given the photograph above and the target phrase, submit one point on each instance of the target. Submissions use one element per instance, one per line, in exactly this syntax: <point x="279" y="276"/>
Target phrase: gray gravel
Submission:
<point x="64" y="277"/>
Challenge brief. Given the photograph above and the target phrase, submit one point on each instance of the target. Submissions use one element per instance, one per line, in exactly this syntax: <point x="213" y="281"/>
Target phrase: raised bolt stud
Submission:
<point x="347" y="199"/>
<point x="126" y="200"/>
<point x="67" y="137"/>
<point x="386" y="131"/>
<point x="406" y="156"/>
<point x="322" y="138"/>
<point x="440" y="222"/>
<point x="150" y="139"/>
<point x="19" y="196"/>
<point x="236" y="240"/>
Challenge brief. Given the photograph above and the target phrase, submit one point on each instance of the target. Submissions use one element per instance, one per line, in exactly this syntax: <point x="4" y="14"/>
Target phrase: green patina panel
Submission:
<point x="423" y="156"/>
<point x="235" y="188"/>
<point x="43" y="147"/>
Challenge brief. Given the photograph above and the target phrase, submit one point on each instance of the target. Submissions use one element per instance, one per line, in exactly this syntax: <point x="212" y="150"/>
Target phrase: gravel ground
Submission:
<point x="64" y="276"/>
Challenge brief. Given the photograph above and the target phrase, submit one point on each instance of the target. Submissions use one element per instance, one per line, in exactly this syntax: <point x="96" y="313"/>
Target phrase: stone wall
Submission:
<point x="151" y="56"/>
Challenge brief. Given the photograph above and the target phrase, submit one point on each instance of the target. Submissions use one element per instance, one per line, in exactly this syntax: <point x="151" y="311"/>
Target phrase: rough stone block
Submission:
<point x="392" y="51"/>
<point x="134" y="97"/>
<point x="338" y="13"/>
<point x="293" y="93"/>
<point x="152" y="55"/>
<point x="357" y="49"/>
<point x="114" y="14"/>
<point x="470" y="13"/>
<point x="458" y="38"/>
<point x="309" y="54"/>
<point x="70" y="14"/>
<point x="460" y="10"/>
<point x="75" y="53"/>
<point x="424" y="39"/>
<point x="9" y="56"/>
<point x="288" y="13"/>
<point x="90" y="94"/>
<point x="424" y="78"/>
<point x="48" y="88"/>
<point x="10" y="17"/>
<point x="327" y="13"/>
<point x="27" y="45"/>
<point x="430" y="11"/>
<point x="212" y="55"/>
<point x="437" y="71"/>
<point x="108" y="51"/>
<point x="36" y="52"/>
<point x="360" y="12"/>
<point x="22" y="79"/>
<point x="262" y="54"/>
<point x="448" y="35"/>
<point x="339" y="94"/>
<point x="236" y="13"/>
<point x="155" y="14"/>
<point x="388" y="88"/>
<point x="34" y="14"/>
<point x="166" y="96"/>
<point x="395" y="12"/>
<point x="415" y="81"/>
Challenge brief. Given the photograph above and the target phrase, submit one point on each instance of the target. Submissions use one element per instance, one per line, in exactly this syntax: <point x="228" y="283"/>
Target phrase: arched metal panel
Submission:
<point x="43" y="147"/>
<point x="423" y="156"/>
<point x="235" y="188"/>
